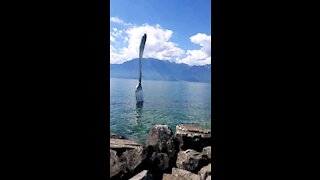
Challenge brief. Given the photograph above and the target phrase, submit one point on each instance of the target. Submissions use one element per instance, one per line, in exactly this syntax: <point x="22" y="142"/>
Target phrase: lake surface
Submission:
<point x="165" y="102"/>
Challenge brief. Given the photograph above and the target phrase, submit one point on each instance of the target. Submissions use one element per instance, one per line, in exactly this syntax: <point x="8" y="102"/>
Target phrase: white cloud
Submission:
<point x="201" y="56"/>
<point x="158" y="44"/>
<point x="115" y="57"/>
<point x="117" y="33"/>
<point x="112" y="39"/>
<point x="118" y="21"/>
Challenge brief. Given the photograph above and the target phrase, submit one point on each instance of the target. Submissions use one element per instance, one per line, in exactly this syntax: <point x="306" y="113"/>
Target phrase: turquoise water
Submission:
<point x="165" y="102"/>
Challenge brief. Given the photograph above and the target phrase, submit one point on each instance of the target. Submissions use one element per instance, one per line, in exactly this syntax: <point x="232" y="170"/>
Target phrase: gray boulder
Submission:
<point x="161" y="138"/>
<point x="207" y="151"/>
<point x="161" y="142"/>
<point x="126" y="144"/>
<point x="126" y="158"/>
<point x="190" y="136"/>
<point x="122" y="145"/>
<point x="134" y="158"/>
<point x="115" y="165"/>
<point x="191" y="160"/>
<point x="184" y="173"/>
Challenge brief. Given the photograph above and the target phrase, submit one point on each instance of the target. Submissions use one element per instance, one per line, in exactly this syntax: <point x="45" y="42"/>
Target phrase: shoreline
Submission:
<point x="142" y="140"/>
<point x="160" y="80"/>
<point x="165" y="155"/>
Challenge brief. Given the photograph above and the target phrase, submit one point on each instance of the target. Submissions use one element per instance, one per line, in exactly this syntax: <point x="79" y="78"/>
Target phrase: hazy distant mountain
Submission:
<point x="155" y="69"/>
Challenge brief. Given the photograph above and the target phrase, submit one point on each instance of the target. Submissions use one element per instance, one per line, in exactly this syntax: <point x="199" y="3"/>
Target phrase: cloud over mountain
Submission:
<point x="201" y="56"/>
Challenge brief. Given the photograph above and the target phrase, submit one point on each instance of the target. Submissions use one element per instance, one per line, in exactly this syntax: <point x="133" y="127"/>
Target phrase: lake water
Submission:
<point x="165" y="102"/>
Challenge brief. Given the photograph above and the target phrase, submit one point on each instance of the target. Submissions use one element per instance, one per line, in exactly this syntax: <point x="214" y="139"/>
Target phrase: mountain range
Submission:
<point x="155" y="69"/>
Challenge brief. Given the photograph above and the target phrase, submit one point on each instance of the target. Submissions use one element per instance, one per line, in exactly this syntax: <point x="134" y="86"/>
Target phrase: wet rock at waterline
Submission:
<point x="190" y="136"/>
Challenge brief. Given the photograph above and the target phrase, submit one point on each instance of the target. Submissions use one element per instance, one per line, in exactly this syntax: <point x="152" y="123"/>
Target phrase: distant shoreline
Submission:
<point x="162" y="80"/>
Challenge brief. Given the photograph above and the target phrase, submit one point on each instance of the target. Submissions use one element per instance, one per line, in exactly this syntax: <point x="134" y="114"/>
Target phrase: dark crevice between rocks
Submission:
<point x="157" y="175"/>
<point x="136" y="145"/>
<point x="116" y="177"/>
<point x="174" y="159"/>
<point x="198" y="132"/>
<point x="150" y="165"/>
<point x="202" y="163"/>
<point x="198" y="144"/>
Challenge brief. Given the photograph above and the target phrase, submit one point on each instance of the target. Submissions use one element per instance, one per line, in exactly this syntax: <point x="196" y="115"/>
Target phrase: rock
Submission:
<point x="207" y="151"/>
<point x="122" y="145"/>
<point x="126" y="158"/>
<point x="190" y="136"/>
<point x="160" y="160"/>
<point x="134" y="158"/>
<point x="184" y="174"/>
<point x="160" y="140"/>
<point x="205" y="172"/>
<point x="115" y="165"/>
<point x="143" y="175"/>
<point x="191" y="160"/>
<point x="171" y="177"/>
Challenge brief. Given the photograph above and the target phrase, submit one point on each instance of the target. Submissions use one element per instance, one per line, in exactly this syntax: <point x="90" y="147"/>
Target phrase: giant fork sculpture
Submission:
<point x="139" y="94"/>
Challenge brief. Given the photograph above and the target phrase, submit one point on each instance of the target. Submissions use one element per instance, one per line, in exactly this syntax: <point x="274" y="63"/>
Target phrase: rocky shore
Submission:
<point x="185" y="155"/>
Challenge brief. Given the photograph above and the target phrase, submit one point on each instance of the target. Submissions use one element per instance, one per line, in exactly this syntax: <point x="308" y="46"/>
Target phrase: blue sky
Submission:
<point x="177" y="30"/>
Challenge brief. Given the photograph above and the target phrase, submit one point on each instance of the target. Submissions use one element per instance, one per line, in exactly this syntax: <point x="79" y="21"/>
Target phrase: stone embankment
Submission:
<point x="185" y="155"/>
